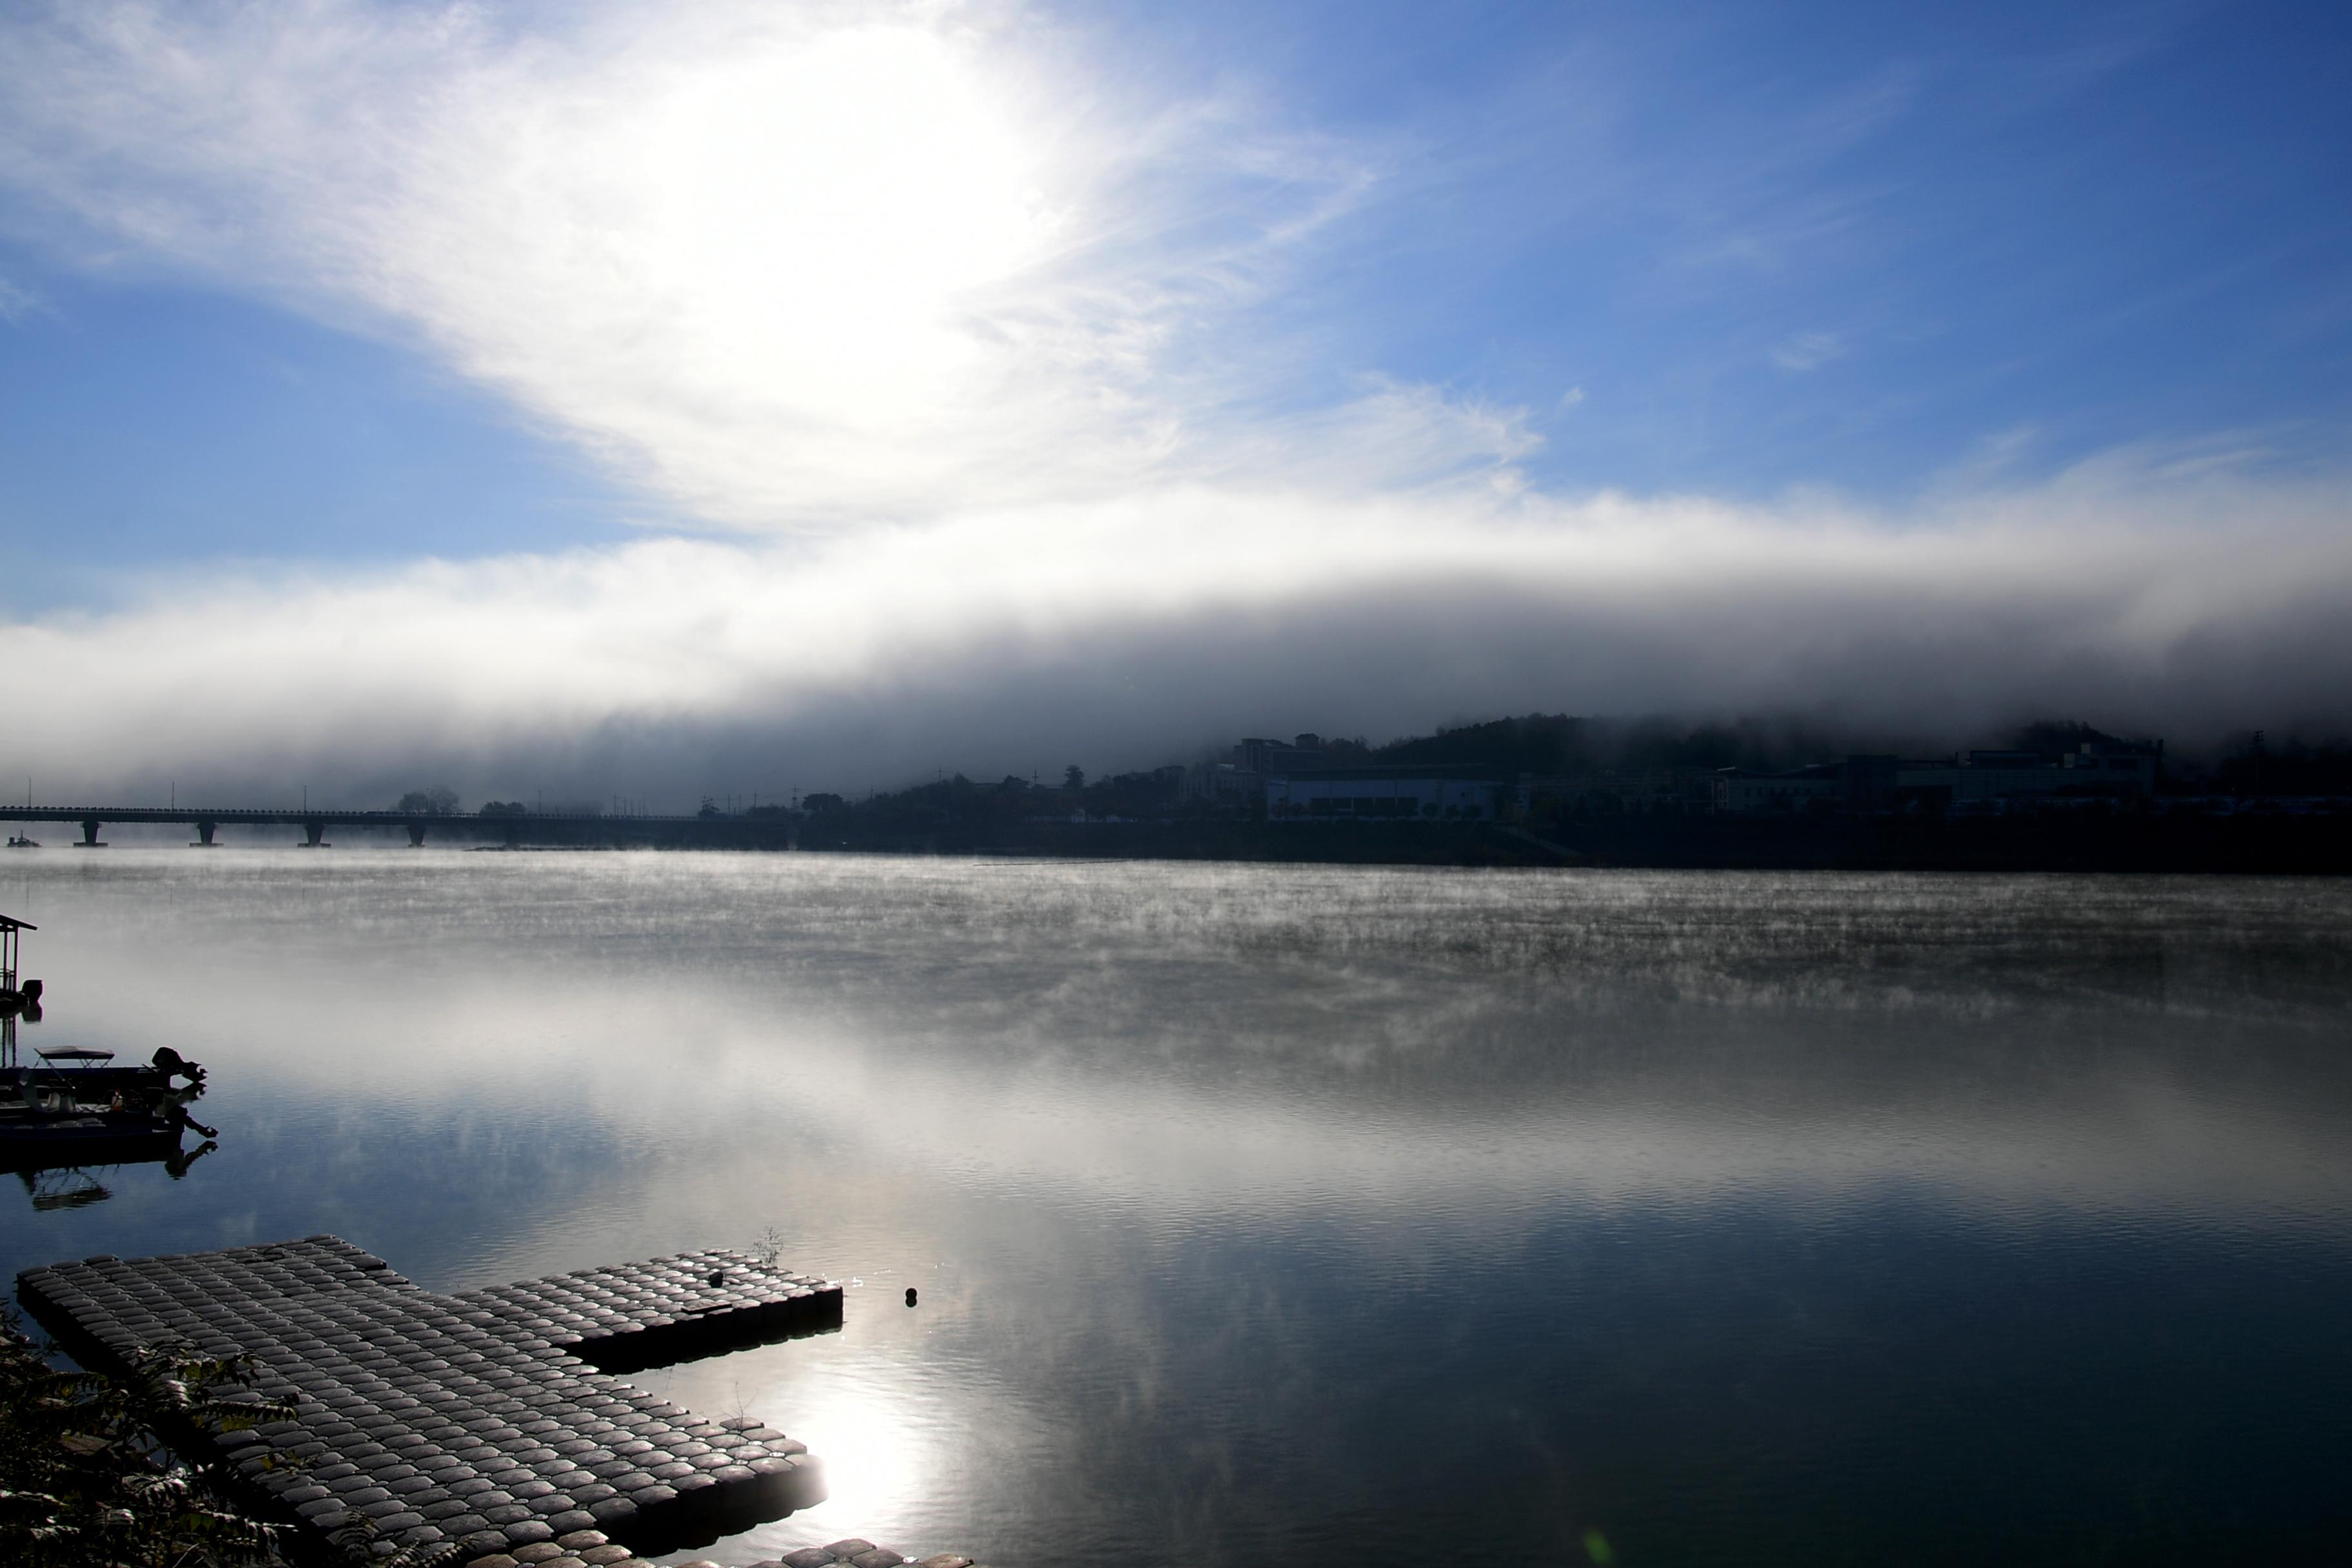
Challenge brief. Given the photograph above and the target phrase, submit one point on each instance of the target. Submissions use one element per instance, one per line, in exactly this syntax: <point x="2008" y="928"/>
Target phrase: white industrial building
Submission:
<point x="1245" y="769"/>
<point x="2095" y="770"/>
<point x="1374" y="796"/>
<point x="2098" y="768"/>
<point x="1745" y="793"/>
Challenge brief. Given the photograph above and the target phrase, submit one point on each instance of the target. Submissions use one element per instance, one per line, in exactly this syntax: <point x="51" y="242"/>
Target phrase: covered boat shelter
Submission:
<point x="13" y="1000"/>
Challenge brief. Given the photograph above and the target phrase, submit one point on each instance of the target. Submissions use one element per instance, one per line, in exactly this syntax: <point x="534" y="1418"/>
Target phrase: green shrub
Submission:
<point x="88" y="1479"/>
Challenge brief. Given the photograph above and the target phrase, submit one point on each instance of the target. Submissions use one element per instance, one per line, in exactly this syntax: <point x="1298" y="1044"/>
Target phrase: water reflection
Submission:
<point x="52" y="1186"/>
<point x="1301" y="1213"/>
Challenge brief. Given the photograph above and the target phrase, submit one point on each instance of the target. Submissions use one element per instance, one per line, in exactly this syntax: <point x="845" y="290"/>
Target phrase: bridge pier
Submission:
<point x="415" y="833"/>
<point x="204" y="839"/>
<point x="89" y="838"/>
<point x="315" y="835"/>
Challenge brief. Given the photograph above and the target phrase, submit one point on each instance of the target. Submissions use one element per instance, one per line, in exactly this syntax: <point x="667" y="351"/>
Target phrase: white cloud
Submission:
<point x="788" y="267"/>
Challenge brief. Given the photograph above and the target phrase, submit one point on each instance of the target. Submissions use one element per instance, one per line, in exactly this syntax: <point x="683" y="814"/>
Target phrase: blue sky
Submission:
<point x="159" y="425"/>
<point x="1846" y="244"/>
<point x="303" y="310"/>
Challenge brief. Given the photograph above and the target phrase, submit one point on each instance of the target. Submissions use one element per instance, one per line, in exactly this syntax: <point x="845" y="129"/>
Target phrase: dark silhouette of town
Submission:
<point x="1554" y="789"/>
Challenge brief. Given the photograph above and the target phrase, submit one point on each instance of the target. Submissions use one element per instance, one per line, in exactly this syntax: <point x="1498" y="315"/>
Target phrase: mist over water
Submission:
<point x="1304" y="1213"/>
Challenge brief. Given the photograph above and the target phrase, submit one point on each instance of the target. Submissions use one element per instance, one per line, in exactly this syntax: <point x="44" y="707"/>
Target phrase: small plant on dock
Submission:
<point x="87" y="1477"/>
<point x="770" y="1248"/>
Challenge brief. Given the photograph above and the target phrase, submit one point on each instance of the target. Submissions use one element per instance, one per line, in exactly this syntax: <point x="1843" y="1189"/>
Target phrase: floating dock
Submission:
<point x="489" y="1417"/>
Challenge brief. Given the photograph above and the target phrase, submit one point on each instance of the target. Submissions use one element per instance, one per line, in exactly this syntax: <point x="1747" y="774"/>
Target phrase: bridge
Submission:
<point x="578" y="829"/>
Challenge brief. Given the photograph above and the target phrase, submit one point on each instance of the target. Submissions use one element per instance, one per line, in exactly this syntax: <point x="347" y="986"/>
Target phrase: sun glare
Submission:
<point x="873" y="1452"/>
<point x="810" y="213"/>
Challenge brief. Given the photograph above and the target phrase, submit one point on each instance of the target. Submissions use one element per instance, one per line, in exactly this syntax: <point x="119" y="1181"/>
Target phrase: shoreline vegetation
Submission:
<point x="1543" y="790"/>
<point x="96" y="1471"/>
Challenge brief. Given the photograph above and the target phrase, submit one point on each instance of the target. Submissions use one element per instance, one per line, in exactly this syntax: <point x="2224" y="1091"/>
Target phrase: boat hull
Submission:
<point x="29" y="1143"/>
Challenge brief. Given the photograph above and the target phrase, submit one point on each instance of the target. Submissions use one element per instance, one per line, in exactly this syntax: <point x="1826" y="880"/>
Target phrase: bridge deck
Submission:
<point x="771" y="831"/>
<point x="295" y="815"/>
<point x="472" y="1417"/>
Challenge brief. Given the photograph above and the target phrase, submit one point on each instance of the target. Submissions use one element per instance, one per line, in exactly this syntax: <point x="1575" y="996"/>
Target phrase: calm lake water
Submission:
<point x="1307" y="1215"/>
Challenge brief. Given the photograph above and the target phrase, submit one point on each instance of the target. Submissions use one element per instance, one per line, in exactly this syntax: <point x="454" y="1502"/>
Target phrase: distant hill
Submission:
<point x="1538" y="743"/>
<point x="1564" y="744"/>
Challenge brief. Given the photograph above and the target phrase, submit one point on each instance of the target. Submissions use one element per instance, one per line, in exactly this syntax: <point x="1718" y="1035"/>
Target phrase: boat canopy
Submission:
<point x="77" y="1054"/>
<point x="10" y="922"/>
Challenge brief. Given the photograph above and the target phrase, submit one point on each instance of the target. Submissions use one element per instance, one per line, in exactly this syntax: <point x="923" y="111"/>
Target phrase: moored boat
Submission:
<point x="74" y="1107"/>
<point x="80" y="1076"/>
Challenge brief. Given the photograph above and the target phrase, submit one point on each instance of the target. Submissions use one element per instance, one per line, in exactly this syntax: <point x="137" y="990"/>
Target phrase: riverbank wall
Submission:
<point x="2069" y="842"/>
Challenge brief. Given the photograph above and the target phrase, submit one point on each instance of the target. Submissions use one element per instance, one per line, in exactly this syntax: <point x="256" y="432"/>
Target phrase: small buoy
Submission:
<point x="910" y="1295"/>
<point x="718" y="1277"/>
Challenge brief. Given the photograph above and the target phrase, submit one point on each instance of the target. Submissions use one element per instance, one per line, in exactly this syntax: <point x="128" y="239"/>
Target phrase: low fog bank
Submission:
<point x="1136" y="698"/>
<point x="1148" y="634"/>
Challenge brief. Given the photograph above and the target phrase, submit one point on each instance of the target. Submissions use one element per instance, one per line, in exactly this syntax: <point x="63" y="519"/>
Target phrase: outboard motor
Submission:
<point x="31" y="992"/>
<point x="172" y="1064"/>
